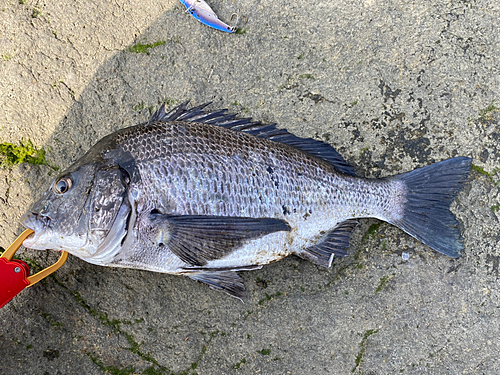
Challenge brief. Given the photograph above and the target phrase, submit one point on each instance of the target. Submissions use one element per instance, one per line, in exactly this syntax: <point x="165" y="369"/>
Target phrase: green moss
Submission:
<point x="170" y="101"/>
<point x="269" y="297"/>
<point x="495" y="208"/>
<point x="26" y="152"/>
<point x="481" y="170"/>
<point x="264" y="351"/>
<point x="362" y="346"/>
<point x="301" y="56"/>
<point x="111" y="369"/>
<point x="238" y="365"/>
<point x="240" y="31"/>
<point x="308" y="76"/>
<point x="488" y="110"/>
<point x="29" y="346"/>
<point x="35" y="13"/>
<point x="370" y="233"/>
<point x="383" y="281"/>
<point x="51" y="320"/>
<point x="152" y="371"/>
<point x="115" y="324"/>
<point x="384" y="245"/>
<point x="6" y="57"/>
<point x="144" y="48"/>
<point x="138" y="106"/>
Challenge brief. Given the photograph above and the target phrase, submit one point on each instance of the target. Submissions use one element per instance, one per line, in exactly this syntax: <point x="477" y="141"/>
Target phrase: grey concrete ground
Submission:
<point x="392" y="84"/>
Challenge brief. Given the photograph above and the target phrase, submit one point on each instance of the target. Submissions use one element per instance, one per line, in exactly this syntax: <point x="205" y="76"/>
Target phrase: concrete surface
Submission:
<point x="392" y="84"/>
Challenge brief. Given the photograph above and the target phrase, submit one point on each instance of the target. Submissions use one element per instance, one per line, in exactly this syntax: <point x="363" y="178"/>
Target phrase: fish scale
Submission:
<point x="203" y="194"/>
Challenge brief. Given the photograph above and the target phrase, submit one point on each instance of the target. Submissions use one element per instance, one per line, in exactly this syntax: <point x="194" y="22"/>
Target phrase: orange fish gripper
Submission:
<point x="15" y="274"/>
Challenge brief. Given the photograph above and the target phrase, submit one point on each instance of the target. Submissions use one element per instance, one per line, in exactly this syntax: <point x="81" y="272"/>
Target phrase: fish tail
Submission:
<point x="429" y="192"/>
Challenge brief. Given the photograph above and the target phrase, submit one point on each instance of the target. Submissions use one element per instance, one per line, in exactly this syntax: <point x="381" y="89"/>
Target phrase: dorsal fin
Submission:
<point x="270" y="131"/>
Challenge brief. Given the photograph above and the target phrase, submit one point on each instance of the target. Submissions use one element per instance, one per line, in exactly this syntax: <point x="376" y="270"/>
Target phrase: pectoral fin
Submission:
<point x="334" y="244"/>
<point x="198" y="239"/>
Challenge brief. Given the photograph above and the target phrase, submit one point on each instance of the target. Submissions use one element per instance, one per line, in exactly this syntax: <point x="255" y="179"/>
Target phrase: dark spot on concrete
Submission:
<point x="418" y="148"/>
<point x="316" y="98"/>
<point x="454" y="268"/>
<point x="51" y="354"/>
<point x="262" y="283"/>
<point x="286" y="210"/>
<point x="270" y="170"/>
<point x="483" y="156"/>
<point x="357" y="135"/>
<point x="494" y="261"/>
<point x="387" y="92"/>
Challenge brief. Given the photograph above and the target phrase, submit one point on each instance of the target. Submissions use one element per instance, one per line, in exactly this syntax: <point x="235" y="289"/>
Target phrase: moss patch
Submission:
<point x="481" y="170"/>
<point x="362" y="347"/>
<point x="383" y="281"/>
<point x="264" y="351"/>
<point x="26" y="152"/>
<point x="144" y="48"/>
<point x="486" y="112"/>
<point x="371" y="232"/>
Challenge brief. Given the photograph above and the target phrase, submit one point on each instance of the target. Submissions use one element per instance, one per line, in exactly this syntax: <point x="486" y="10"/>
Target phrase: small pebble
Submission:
<point x="405" y="255"/>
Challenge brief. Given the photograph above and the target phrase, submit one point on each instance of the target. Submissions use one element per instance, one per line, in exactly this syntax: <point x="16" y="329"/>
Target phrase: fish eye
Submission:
<point x="62" y="185"/>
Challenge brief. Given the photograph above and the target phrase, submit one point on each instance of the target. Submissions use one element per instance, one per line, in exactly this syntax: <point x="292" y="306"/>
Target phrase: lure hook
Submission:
<point x="238" y="17"/>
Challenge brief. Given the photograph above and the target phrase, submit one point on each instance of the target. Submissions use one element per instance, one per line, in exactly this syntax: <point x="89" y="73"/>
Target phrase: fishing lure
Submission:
<point x="200" y="10"/>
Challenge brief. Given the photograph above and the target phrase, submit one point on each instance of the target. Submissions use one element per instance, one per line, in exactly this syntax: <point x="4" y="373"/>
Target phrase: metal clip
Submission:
<point x="14" y="274"/>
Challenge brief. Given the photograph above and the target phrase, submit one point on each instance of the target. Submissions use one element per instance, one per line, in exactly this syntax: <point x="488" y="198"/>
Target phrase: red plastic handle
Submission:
<point x="13" y="279"/>
<point x="15" y="274"/>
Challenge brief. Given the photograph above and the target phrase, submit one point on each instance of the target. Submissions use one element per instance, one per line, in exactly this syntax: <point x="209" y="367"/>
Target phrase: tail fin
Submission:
<point x="429" y="192"/>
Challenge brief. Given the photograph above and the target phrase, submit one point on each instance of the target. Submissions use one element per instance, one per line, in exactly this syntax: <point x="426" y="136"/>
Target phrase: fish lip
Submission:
<point x="32" y="220"/>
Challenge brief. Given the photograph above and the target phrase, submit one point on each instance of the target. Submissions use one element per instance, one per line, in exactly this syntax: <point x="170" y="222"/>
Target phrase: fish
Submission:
<point x="205" y="194"/>
<point x="200" y="10"/>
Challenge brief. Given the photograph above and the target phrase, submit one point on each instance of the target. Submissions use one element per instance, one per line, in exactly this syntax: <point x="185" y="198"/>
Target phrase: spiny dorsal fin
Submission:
<point x="270" y="131"/>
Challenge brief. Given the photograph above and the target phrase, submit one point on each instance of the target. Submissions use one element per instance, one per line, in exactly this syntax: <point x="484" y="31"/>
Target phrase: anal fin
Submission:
<point x="334" y="244"/>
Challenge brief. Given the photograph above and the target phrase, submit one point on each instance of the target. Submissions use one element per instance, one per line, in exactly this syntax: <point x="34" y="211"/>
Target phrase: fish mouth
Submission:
<point x="38" y="224"/>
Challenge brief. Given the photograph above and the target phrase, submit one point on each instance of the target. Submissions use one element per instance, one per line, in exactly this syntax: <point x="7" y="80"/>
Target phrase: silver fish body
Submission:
<point x="205" y="194"/>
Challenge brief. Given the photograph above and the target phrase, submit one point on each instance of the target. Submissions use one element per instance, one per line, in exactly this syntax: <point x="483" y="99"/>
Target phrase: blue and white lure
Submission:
<point x="200" y="10"/>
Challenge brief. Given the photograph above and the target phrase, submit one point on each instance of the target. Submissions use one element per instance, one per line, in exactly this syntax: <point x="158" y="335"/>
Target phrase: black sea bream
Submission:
<point x="204" y="194"/>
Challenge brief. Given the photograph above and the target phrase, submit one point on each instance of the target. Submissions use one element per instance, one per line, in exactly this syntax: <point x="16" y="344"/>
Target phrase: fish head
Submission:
<point x="78" y="210"/>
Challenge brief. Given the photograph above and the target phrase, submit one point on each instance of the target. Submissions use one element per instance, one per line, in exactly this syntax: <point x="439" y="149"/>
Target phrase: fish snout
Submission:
<point x="35" y="221"/>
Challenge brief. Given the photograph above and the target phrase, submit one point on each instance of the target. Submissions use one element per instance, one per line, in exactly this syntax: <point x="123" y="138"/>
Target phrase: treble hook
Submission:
<point x="238" y="16"/>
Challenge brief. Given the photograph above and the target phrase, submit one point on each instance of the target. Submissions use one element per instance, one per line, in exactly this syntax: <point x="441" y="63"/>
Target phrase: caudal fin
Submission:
<point x="429" y="192"/>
